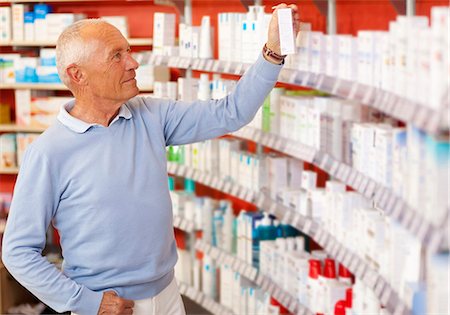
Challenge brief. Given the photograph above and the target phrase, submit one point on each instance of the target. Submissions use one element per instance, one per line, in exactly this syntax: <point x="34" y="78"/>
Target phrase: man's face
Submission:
<point x="111" y="70"/>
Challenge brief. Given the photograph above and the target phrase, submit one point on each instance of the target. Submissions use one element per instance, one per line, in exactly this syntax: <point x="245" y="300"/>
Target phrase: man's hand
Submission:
<point x="112" y="304"/>
<point x="273" y="41"/>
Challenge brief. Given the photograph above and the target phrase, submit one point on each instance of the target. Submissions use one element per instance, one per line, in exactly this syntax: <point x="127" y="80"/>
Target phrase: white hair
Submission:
<point x="71" y="48"/>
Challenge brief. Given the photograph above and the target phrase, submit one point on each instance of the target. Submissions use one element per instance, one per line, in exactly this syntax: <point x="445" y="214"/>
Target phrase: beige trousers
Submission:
<point x="167" y="302"/>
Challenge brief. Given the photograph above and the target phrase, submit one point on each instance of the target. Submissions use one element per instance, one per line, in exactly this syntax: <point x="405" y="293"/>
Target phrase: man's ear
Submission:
<point x="75" y="74"/>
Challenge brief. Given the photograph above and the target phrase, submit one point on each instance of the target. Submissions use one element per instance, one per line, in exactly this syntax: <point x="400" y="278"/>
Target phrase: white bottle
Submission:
<point x="205" y="39"/>
<point x="204" y="88"/>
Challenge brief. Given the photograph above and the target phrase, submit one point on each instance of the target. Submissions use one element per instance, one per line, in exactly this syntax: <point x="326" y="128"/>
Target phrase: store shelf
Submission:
<point x="17" y="128"/>
<point x="49" y="86"/>
<point x="435" y="238"/>
<point x="250" y="272"/>
<point x="432" y="121"/>
<point x="183" y="224"/>
<point x="131" y="41"/>
<point x="33" y="86"/>
<point x="359" y="267"/>
<point x="9" y="170"/>
<point x="205" y="301"/>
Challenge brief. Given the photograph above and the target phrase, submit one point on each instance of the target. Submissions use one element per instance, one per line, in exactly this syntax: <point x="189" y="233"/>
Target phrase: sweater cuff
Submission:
<point x="267" y="70"/>
<point x="89" y="302"/>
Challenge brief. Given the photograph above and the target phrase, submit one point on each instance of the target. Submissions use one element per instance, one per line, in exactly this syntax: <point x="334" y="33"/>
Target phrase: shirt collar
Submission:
<point x="79" y="126"/>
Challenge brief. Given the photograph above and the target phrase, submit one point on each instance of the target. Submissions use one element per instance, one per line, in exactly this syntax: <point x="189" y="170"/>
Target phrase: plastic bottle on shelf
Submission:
<point x="264" y="232"/>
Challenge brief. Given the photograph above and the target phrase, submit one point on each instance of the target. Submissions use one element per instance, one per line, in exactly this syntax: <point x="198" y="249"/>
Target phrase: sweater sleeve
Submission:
<point x="187" y="122"/>
<point x="34" y="204"/>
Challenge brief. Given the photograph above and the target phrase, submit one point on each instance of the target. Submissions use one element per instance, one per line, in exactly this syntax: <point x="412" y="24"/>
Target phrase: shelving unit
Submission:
<point x="250" y="272"/>
<point x="435" y="238"/>
<point x="17" y="128"/>
<point x="340" y="252"/>
<point x="199" y="297"/>
<point x="183" y="224"/>
<point x="9" y="171"/>
<point x="432" y="121"/>
<point x="132" y="41"/>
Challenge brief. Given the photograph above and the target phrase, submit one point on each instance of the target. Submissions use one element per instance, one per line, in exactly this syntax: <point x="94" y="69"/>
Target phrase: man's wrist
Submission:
<point x="272" y="56"/>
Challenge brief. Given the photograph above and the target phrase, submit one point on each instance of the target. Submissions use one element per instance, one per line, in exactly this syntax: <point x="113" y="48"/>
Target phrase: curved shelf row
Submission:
<point x="18" y="128"/>
<point x="183" y="224"/>
<point x="359" y="267"/>
<point x="205" y="301"/>
<point x="435" y="238"/>
<point x="49" y="86"/>
<point x="50" y="43"/>
<point x="9" y="170"/>
<point x="250" y="272"/>
<point x="428" y="119"/>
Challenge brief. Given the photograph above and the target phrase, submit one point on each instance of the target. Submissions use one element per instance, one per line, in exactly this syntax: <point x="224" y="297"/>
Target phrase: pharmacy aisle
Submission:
<point x="333" y="200"/>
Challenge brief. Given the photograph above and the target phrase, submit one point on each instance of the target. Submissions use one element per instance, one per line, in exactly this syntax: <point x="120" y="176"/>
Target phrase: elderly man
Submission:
<point x="99" y="174"/>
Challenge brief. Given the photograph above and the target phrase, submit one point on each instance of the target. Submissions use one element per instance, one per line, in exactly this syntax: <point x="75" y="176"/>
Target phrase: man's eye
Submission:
<point x="117" y="56"/>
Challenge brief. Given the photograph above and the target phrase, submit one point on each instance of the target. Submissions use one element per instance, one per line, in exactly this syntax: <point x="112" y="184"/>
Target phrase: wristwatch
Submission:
<point x="273" y="55"/>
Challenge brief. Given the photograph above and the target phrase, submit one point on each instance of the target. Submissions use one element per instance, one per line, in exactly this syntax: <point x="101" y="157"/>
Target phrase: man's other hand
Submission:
<point x="112" y="304"/>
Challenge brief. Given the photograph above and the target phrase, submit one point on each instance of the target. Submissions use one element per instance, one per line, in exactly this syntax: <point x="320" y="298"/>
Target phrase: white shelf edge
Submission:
<point x="182" y="224"/>
<point x="17" y="128"/>
<point x="23" y="43"/>
<point x="400" y="108"/>
<point x="9" y="171"/>
<point x="202" y="299"/>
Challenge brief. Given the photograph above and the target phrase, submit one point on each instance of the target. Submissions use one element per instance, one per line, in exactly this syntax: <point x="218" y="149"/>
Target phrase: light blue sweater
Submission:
<point x="105" y="190"/>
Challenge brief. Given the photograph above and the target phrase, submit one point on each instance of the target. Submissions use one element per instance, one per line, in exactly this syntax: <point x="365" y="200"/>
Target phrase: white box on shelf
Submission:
<point x="18" y="12"/>
<point x="120" y="22"/>
<point x="164" y="29"/>
<point x="5" y="24"/>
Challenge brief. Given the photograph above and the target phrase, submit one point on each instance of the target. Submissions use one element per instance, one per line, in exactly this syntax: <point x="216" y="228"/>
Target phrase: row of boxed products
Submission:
<point x="15" y="68"/>
<point x="20" y="22"/>
<point x="193" y="89"/>
<point x="275" y="249"/>
<point x="404" y="159"/>
<point x="411" y="59"/>
<point x="12" y="148"/>
<point x="348" y="216"/>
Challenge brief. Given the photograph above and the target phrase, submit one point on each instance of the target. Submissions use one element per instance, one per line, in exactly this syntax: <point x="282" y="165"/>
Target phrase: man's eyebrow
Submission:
<point x="118" y="49"/>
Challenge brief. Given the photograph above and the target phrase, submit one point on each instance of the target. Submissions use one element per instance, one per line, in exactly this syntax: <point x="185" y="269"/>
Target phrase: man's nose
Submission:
<point x="132" y="64"/>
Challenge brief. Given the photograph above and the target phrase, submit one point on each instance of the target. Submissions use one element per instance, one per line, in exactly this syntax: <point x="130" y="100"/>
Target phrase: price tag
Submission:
<point x="235" y="190"/>
<point x="387" y="292"/>
<point x="353" y="264"/>
<point x="227" y="187"/>
<point x="360" y="270"/>
<point x="189" y="173"/>
<point x="398" y="210"/>
<point x="271" y="142"/>
<point x="202" y="64"/>
<point x="265" y="284"/>
<point x="369" y="95"/>
<point x="423" y="230"/>
<point x="370" y="190"/>
<point x="209" y="64"/>
<point x="353" y="90"/>
<point x="334" y="168"/>
<point x="307" y="227"/>
<point x="407" y="219"/>
<point x="259" y="280"/>
<point x="183" y="225"/>
<point x="253" y="274"/>
<point x="335" y="250"/>
<point x="216" y="64"/>
<point x="358" y="181"/>
<point x="341" y="254"/>
<point x="364" y="183"/>
<point x="324" y="162"/>
<point x="352" y="177"/>
<point x="234" y="264"/>
<point x="347" y="259"/>
<point x="347" y="172"/>
<point x="384" y="199"/>
<point x="320" y="81"/>
<point x="379" y="288"/>
<point x="195" y="64"/>
<point x="242" y="193"/>
<point x="227" y="67"/>
<point x="238" y="69"/>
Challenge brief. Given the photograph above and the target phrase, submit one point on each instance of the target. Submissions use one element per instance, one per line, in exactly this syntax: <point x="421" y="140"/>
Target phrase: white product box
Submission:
<point x="286" y="30"/>
<point x="57" y="22"/>
<point x="120" y="22"/>
<point x="164" y="29"/>
<point x="332" y="55"/>
<point x="17" y="13"/>
<point x="5" y="24"/>
<point x="318" y="53"/>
